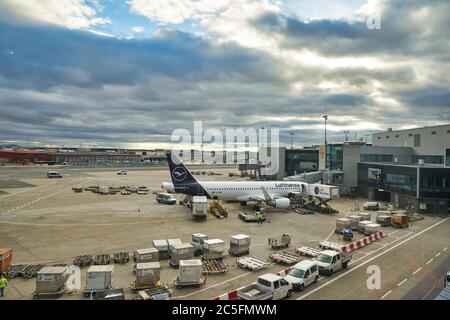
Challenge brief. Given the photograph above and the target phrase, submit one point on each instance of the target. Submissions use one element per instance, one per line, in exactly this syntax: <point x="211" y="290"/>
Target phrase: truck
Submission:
<point x="268" y="286"/>
<point x="330" y="261"/>
<point x="165" y="198"/>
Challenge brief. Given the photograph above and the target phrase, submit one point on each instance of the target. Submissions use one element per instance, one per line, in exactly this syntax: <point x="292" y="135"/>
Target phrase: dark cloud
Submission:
<point x="59" y="85"/>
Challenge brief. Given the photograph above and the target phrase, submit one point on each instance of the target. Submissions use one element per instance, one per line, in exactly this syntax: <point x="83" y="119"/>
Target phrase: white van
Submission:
<point x="303" y="274"/>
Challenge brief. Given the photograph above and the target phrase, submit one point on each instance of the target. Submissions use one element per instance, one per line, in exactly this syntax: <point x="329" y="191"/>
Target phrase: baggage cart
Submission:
<point x="163" y="248"/>
<point x="330" y="245"/>
<point x="155" y="293"/>
<point x="308" y="251"/>
<point x="251" y="263"/>
<point x="213" y="248"/>
<point x="284" y="257"/>
<point x="341" y="224"/>
<point x="282" y="241"/>
<point x="362" y="225"/>
<point x="121" y="257"/>
<point x="214" y="266"/>
<point x="82" y="261"/>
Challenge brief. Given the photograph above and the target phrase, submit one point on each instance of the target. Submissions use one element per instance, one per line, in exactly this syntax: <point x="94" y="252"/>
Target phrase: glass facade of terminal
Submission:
<point x="301" y="160"/>
<point x="429" y="159"/>
<point x="377" y="158"/>
<point x="335" y="156"/>
<point x="434" y="183"/>
<point x="447" y="153"/>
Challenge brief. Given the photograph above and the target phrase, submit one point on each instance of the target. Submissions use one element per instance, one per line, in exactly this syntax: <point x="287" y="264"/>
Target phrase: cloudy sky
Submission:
<point x="127" y="73"/>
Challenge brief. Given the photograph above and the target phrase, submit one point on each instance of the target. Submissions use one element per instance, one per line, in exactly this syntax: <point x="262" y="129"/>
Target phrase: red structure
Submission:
<point x="26" y="156"/>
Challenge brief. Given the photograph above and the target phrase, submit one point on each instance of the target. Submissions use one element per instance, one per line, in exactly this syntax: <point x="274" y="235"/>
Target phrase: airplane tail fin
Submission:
<point x="179" y="174"/>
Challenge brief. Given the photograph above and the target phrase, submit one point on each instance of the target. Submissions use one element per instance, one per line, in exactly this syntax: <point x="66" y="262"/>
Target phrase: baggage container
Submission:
<point x="103" y="190"/>
<point x="341" y="224"/>
<point x="365" y="216"/>
<point x="372" y="228"/>
<point x="239" y="244"/>
<point x="354" y="220"/>
<point x="184" y="251"/>
<point x="146" y="255"/>
<point x="199" y="207"/>
<point x="147" y="274"/>
<point x="99" y="277"/>
<point x="163" y="249"/>
<point x="362" y="225"/>
<point x="197" y="242"/>
<point x="5" y="259"/>
<point x="190" y="273"/>
<point x="213" y="248"/>
<point x="384" y="220"/>
<point x="172" y="243"/>
<point x="51" y="279"/>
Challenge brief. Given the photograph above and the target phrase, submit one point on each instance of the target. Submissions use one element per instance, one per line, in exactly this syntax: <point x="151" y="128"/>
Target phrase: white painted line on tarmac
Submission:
<point x="430" y="261"/>
<point x="386" y="294"/>
<point x="445" y="249"/>
<point x="373" y="258"/>
<point x="398" y="285"/>
<point x="438" y="254"/>
<point x="417" y="271"/>
<point x="428" y="293"/>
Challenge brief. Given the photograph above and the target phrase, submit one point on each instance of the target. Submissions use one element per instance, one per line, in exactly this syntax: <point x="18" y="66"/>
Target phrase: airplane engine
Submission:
<point x="282" y="203"/>
<point x="168" y="186"/>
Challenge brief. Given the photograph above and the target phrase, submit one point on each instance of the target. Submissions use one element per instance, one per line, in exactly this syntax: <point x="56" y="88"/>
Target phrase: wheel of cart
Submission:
<point x="57" y="294"/>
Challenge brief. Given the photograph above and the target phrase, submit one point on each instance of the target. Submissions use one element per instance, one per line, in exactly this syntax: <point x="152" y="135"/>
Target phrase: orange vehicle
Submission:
<point x="5" y="258"/>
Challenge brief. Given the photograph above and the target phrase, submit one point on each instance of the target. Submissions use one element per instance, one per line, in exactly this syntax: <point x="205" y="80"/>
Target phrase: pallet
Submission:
<point x="251" y="263"/>
<point x="308" y="251"/>
<point x="284" y="258"/>
<point x="214" y="266"/>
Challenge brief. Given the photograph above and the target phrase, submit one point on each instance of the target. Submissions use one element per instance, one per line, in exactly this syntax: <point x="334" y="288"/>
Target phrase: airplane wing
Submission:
<point x="250" y="198"/>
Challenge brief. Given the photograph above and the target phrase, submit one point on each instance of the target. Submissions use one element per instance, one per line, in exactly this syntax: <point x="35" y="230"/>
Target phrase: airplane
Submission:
<point x="273" y="193"/>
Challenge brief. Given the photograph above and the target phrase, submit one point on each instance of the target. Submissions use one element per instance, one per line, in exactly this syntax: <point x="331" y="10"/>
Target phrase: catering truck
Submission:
<point x="330" y="261"/>
<point x="268" y="286"/>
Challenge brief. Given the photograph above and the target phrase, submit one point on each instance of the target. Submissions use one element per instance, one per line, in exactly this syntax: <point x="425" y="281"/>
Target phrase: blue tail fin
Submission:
<point x="182" y="179"/>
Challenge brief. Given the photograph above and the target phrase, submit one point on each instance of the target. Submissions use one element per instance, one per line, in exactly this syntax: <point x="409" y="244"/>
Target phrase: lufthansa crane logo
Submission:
<point x="179" y="174"/>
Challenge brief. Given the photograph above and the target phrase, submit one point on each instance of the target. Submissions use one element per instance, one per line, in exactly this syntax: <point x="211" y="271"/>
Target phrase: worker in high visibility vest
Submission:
<point x="3" y="284"/>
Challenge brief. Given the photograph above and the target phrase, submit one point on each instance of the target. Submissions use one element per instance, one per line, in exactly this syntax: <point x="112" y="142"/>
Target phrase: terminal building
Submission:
<point x="409" y="168"/>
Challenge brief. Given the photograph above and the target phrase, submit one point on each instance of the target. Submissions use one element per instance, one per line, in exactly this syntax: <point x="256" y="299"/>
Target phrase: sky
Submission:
<point x="128" y="73"/>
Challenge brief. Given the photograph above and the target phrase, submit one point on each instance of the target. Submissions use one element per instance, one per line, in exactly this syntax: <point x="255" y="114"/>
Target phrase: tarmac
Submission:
<point x="44" y="221"/>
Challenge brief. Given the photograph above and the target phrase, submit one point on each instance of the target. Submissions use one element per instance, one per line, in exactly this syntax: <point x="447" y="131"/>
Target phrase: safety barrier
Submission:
<point x="361" y="243"/>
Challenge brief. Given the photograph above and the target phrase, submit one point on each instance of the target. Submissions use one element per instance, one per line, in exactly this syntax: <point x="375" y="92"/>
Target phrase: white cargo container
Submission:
<point x="362" y="225"/>
<point x="342" y="223"/>
<point x="365" y="216"/>
<point x="213" y="248"/>
<point x="190" y="273"/>
<point x="163" y="248"/>
<point x="99" y="277"/>
<point x="384" y="220"/>
<point x="51" y="279"/>
<point x="184" y="251"/>
<point x="323" y="191"/>
<point x="354" y="220"/>
<point x="146" y="255"/>
<point x="147" y="274"/>
<point x="372" y="228"/>
<point x="172" y="243"/>
<point x="103" y="190"/>
<point x="239" y="244"/>
<point x="199" y="207"/>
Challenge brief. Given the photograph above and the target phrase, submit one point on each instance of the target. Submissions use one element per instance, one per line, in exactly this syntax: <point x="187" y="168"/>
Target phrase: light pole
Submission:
<point x="292" y="139"/>
<point x="325" y="117"/>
